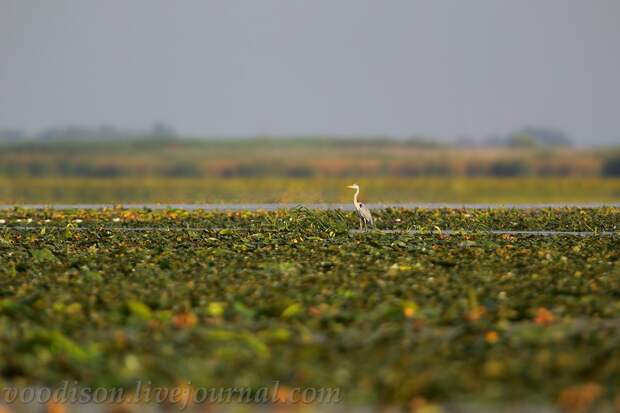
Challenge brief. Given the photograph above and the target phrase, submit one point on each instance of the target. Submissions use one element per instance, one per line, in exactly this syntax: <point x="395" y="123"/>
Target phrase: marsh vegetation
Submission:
<point x="294" y="296"/>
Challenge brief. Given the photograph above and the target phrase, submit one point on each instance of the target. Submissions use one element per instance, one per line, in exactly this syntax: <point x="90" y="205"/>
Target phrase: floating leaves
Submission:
<point x="292" y="310"/>
<point x="215" y="309"/>
<point x="249" y="296"/>
<point x="140" y="310"/>
<point x="43" y="255"/>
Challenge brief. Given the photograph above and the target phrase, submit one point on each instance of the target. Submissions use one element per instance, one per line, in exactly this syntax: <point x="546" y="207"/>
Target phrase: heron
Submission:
<point x="362" y="210"/>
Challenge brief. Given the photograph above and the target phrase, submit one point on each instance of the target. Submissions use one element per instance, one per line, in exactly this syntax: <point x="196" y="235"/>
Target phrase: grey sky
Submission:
<point x="443" y="68"/>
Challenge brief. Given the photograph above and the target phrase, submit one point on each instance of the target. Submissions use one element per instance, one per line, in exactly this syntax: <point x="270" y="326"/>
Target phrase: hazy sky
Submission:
<point x="443" y="68"/>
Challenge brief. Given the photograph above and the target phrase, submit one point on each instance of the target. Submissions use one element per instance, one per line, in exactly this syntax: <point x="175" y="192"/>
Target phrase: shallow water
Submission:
<point x="345" y="206"/>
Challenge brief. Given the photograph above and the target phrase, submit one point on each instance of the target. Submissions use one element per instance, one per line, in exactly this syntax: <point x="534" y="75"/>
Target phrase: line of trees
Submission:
<point x="526" y="137"/>
<point x="75" y="132"/>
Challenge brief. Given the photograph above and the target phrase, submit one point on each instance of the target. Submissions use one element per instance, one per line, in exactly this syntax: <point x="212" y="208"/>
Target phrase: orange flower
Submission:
<point x="578" y="399"/>
<point x="410" y="308"/>
<point x="55" y="406"/>
<point x="475" y="313"/>
<point x="282" y="394"/>
<point x="314" y="311"/>
<point x="183" y="320"/>
<point x="421" y="405"/>
<point x="129" y="215"/>
<point x="491" y="337"/>
<point x="543" y="316"/>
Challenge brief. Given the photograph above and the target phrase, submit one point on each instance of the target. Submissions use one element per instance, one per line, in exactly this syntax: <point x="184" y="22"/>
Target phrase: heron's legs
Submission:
<point x="361" y="221"/>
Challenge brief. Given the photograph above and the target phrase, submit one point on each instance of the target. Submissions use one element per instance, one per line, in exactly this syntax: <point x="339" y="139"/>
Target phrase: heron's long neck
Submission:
<point x="357" y="192"/>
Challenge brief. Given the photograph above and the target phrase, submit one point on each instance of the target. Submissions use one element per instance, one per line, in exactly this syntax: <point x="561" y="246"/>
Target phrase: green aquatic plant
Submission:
<point x="248" y="297"/>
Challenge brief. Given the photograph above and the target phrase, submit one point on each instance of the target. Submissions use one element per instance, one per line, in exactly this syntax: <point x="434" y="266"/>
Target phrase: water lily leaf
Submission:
<point x="292" y="310"/>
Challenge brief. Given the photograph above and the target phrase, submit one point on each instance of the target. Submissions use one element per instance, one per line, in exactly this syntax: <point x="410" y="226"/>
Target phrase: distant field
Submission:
<point x="295" y="158"/>
<point x="307" y="190"/>
<point x="300" y="170"/>
<point x="389" y="318"/>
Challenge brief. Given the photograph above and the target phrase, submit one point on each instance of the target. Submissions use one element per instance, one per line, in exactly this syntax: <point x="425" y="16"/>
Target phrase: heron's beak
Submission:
<point x="350" y="186"/>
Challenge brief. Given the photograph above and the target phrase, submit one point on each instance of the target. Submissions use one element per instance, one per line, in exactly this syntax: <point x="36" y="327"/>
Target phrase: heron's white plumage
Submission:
<point x="364" y="213"/>
<point x="362" y="210"/>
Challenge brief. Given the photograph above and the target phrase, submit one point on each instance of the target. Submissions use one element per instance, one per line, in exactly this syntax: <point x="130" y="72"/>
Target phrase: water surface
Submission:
<point x="275" y="206"/>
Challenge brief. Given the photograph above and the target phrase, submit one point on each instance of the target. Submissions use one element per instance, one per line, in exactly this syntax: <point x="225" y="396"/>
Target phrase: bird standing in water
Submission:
<point x="362" y="210"/>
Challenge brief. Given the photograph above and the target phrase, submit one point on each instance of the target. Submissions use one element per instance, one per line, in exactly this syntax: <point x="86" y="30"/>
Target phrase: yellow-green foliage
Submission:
<point x="305" y="190"/>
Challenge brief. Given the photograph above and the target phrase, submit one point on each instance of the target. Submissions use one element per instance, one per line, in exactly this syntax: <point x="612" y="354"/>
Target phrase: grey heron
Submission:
<point x="362" y="210"/>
